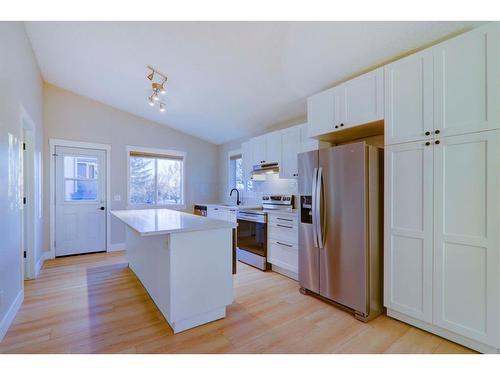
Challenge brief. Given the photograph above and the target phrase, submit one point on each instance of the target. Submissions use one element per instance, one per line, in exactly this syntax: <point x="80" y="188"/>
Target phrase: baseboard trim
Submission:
<point x="117" y="247"/>
<point x="11" y="314"/>
<point x="39" y="265"/>
<point x="462" y="340"/>
<point x="47" y="255"/>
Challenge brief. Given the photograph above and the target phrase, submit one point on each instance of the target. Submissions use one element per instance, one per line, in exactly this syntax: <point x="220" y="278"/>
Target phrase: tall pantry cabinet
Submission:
<point x="442" y="189"/>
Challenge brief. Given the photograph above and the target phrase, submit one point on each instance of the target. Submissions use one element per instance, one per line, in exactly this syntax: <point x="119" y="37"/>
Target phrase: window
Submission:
<point x="236" y="172"/>
<point x="80" y="178"/>
<point x="156" y="178"/>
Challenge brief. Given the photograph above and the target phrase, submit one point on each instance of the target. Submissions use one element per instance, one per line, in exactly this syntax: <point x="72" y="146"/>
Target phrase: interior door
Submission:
<point x="342" y="174"/>
<point x="80" y="212"/>
<point x="466" y="82"/>
<point x="466" y="240"/>
<point x="408" y="229"/>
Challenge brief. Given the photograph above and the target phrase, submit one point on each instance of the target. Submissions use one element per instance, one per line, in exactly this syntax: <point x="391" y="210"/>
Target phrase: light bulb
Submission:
<point x="151" y="102"/>
<point x="155" y="97"/>
<point x="162" y="107"/>
<point x="162" y="90"/>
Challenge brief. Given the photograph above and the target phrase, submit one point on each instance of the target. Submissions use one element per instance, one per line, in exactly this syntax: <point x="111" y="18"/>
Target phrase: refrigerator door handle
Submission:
<point x="314" y="208"/>
<point x="319" y="208"/>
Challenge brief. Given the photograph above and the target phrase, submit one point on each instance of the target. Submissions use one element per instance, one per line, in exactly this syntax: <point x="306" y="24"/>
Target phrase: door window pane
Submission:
<point x="80" y="190"/>
<point x="80" y="178"/>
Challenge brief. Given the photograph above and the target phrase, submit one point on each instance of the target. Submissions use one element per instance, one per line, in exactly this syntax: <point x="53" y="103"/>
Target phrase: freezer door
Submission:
<point x="307" y="162"/>
<point x="308" y="250"/>
<point x="343" y="276"/>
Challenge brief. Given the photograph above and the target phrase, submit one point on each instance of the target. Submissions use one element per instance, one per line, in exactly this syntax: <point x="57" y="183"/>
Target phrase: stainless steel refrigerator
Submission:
<point x="341" y="224"/>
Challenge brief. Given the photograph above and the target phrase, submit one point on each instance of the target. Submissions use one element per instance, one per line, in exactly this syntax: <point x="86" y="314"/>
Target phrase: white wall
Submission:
<point x="20" y="87"/>
<point x="73" y="117"/>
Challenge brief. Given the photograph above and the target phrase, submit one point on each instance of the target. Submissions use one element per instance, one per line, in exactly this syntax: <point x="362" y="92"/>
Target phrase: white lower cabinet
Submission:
<point x="466" y="235"/>
<point x="282" y="243"/>
<point x="442" y="237"/>
<point x="408" y="229"/>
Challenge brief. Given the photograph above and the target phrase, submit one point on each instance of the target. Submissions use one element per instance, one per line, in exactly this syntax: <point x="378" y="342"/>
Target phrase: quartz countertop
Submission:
<point x="230" y="206"/>
<point x="164" y="221"/>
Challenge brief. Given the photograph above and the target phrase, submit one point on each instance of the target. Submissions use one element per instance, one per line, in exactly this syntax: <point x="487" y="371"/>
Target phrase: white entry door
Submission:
<point x="80" y="200"/>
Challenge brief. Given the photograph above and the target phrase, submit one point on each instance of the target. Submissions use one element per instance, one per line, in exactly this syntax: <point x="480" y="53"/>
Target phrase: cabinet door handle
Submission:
<point x="283" y="226"/>
<point x="427" y="143"/>
<point x="283" y="244"/>
<point x="437" y="131"/>
<point x="341" y="124"/>
<point x="282" y="218"/>
<point x="336" y="126"/>
<point x="437" y="142"/>
<point x="427" y="133"/>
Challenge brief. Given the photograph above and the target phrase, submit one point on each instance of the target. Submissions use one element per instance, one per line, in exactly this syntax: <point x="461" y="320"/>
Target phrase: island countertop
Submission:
<point x="157" y="221"/>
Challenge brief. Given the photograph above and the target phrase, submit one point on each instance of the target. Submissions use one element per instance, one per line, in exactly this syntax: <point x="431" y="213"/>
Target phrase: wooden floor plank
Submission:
<point x="95" y="304"/>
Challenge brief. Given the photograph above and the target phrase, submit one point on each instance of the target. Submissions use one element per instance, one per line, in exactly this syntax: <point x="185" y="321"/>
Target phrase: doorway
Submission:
<point x="79" y="213"/>
<point x="28" y="201"/>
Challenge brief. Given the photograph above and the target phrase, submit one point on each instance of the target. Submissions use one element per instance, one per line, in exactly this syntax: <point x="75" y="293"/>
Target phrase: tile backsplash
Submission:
<point x="271" y="185"/>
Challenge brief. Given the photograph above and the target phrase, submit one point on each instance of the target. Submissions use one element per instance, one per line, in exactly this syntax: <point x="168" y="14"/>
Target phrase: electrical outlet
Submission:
<point x="1" y="298"/>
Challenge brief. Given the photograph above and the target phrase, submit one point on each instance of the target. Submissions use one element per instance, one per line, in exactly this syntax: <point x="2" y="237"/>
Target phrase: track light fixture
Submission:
<point x="157" y="88"/>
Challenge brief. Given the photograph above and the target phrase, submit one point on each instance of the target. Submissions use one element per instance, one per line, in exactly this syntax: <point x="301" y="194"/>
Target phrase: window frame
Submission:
<point x="230" y="178"/>
<point x="163" y="152"/>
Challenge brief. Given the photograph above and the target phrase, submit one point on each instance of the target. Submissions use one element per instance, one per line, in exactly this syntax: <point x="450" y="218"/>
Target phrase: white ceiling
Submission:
<point x="227" y="80"/>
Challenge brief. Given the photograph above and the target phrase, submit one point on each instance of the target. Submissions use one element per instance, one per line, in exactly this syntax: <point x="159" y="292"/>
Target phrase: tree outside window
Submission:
<point x="155" y="180"/>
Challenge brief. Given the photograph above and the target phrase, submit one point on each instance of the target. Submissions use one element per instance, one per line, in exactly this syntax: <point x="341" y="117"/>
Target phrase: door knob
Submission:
<point x="102" y="208"/>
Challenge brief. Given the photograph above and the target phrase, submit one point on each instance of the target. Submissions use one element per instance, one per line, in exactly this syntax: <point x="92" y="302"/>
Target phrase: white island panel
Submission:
<point x="185" y="264"/>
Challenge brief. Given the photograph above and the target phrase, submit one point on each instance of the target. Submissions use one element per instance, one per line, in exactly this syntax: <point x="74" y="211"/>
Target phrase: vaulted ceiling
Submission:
<point x="227" y="80"/>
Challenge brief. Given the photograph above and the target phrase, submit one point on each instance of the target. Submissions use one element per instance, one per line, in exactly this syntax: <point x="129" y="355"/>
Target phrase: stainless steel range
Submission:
<point x="252" y="230"/>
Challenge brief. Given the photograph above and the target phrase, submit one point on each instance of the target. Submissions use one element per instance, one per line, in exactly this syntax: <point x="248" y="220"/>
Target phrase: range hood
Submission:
<point x="267" y="168"/>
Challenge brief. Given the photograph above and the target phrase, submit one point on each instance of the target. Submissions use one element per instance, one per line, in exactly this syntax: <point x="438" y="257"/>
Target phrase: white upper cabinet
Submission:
<point x="466" y="82"/>
<point x="409" y="99"/>
<point x="362" y="99"/>
<point x="273" y="147"/>
<point x="323" y="112"/>
<point x="266" y="148"/>
<point x="408" y="229"/>
<point x="466" y="235"/>
<point x="290" y="147"/>
<point x="355" y="102"/>
<point x="259" y="145"/>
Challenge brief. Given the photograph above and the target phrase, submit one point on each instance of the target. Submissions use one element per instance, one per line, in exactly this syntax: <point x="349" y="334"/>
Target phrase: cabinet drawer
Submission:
<point x="289" y="220"/>
<point x="283" y="232"/>
<point x="283" y="254"/>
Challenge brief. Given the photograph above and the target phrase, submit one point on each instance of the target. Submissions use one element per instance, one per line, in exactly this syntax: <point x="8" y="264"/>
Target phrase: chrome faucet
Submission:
<point x="237" y="195"/>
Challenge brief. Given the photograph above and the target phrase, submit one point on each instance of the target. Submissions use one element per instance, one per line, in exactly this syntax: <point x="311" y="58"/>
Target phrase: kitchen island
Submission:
<point x="184" y="262"/>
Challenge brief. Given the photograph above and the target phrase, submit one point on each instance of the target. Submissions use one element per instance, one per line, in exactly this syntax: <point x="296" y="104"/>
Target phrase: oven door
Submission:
<point x="252" y="242"/>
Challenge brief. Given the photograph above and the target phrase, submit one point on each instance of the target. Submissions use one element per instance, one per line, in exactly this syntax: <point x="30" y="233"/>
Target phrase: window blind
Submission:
<point x="155" y="156"/>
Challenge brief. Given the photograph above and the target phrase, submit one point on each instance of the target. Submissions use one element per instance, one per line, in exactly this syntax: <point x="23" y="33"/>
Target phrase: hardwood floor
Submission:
<point x="95" y="304"/>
